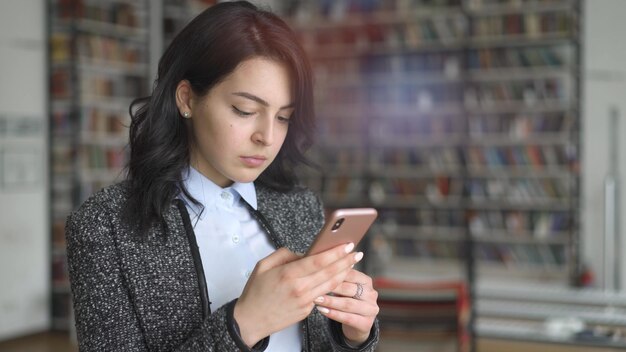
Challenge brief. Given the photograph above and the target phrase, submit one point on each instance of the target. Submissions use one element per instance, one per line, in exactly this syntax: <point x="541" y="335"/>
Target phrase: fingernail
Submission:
<point x="323" y="309"/>
<point x="349" y="247"/>
<point x="319" y="299"/>
<point x="358" y="256"/>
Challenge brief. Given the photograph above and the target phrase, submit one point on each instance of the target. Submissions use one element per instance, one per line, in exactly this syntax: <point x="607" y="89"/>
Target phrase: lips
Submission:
<point x="253" y="161"/>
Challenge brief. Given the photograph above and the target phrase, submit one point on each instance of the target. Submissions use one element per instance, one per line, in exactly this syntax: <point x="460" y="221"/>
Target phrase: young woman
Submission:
<point x="198" y="249"/>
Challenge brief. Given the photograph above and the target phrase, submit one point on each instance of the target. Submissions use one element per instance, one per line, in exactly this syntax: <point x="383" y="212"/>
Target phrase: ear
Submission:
<point x="184" y="97"/>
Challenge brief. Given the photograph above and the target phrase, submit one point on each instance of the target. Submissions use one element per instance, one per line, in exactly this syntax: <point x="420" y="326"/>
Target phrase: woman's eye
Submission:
<point x="284" y="119"/>
<point x="241" y="112"/>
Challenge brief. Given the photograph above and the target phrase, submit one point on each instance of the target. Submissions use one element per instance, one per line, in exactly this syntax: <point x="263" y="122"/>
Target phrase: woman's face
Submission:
<point x="242" y="122"/>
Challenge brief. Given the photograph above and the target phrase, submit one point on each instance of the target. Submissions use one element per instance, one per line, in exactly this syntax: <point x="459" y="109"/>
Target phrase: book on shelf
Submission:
<point x="370" y="68"/>
<point x="520" y="58"/>
<point x="61" y="123"/>
<point x="118" y="13"/>
<point x="532" y="157"/>
<point x="103" y="122"/>
<point x="112" y="50"/>
<point x="433" y="188"/>
<point x="395" y="32"/>
<point x="530" y="25"/>
<point x="521" y="126"/>
<point x="101" y="85"/>
<point x="58" y="235"/>
<point x="60" y="83"/>
<point x="527" y="93"/>
<point x="437" y="160"/>
<point x="538" y="224"/>
<point x="516" y="256"/>
<point x="103" y="157"/>
<point x="62" y="158"/>
<point x="59" y="270"/>
<point x="393" y="220"/>
<point x="412" y="130"/>
<point x="60" y="47"/>
<point x="521" y="190"/>
<point x="343" y="189"/>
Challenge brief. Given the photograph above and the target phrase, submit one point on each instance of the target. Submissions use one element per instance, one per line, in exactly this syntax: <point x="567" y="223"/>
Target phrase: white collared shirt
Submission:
<point x="231" y="242"/>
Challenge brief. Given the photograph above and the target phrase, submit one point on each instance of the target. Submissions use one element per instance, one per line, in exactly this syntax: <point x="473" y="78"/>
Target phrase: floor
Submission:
<point x="59" y="342"/>
<point x="44" y="342"/>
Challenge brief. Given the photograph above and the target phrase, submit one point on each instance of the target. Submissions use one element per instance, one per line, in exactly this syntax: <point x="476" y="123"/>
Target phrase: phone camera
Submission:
<point x="337" y="224"/>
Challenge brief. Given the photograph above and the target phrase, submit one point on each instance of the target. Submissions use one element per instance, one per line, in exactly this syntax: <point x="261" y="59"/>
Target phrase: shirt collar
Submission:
<point x="206" y="191"/>
<point x="247" y="192"/>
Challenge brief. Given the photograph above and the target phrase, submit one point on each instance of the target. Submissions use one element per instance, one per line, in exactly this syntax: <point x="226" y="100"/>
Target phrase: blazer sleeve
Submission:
<point x="340" y="344"/>
<point x="105" y="316"/>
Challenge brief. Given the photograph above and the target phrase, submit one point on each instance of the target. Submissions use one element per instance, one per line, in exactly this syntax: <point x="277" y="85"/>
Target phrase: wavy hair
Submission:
<point x="207" y="50"/>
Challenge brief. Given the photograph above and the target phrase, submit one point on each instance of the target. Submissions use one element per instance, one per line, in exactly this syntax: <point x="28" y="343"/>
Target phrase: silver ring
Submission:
<point x="359" y="291"/>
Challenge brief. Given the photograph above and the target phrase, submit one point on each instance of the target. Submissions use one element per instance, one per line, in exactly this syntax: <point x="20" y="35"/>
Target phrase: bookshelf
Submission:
<point x="389" y="91"/>
<point x="452" y="117"/>
<point x="99" y="63"/>
<point x="458" y="121"/>
<point x="522" y="156"/>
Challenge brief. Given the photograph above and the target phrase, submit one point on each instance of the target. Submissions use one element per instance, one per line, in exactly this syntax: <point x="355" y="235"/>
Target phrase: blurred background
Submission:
<point x="485" y="132"/>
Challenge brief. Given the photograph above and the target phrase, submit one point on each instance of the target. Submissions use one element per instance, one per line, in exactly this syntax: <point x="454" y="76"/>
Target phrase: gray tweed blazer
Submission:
<point x="133" y="295"/>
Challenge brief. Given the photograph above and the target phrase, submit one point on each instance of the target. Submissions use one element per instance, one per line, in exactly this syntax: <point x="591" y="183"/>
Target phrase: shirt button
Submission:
<point x="235" y="239"/>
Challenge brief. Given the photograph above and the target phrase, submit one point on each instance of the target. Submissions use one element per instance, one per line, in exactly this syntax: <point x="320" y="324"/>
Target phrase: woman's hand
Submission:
<point x="283" y="286"/>
<point x="354" y="305"/>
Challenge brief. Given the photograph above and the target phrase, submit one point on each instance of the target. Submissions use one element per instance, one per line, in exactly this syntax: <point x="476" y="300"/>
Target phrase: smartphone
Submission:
<point x="343" y="226"/>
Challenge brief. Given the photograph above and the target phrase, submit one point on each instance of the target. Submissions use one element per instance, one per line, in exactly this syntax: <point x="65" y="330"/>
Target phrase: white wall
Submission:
<point x="24" y="224"/>
<point x="604" y="86"/>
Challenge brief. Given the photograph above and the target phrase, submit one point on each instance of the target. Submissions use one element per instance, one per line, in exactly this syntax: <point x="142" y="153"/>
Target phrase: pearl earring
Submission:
<point x="186" y="114"/>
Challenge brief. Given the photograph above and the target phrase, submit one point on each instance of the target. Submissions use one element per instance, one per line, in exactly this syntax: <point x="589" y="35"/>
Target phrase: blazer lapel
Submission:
<point x="163" y="283"/>
<point x="286" y="216"/>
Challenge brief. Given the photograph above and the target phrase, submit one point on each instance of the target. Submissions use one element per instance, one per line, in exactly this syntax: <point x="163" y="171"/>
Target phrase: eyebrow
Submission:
<point x="259" y="100"/>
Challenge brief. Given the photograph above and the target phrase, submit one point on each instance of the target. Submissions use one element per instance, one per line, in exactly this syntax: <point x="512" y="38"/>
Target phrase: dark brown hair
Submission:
<point x="207" y="50"/>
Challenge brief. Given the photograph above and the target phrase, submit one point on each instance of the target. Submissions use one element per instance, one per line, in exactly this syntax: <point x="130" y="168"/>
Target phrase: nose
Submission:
<point x="264" y="132"/>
